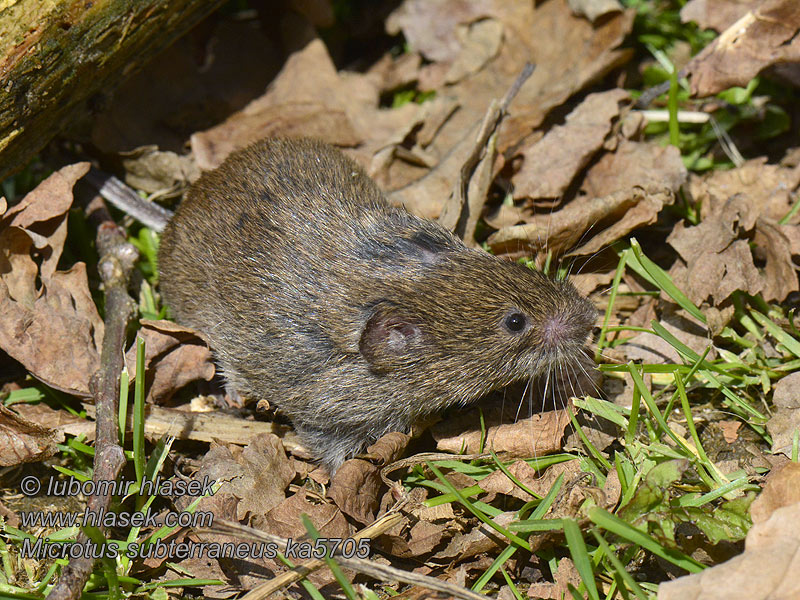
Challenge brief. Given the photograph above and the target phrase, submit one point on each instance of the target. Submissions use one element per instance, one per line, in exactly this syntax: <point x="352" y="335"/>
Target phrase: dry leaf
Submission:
<point x="152" y="171"/>
<point x="23" y="441"/>
<point x="58" y="420"/>
<point x="477" y="540"/>
<point x="764" y="36"/>
<point x="565" y="575"/>
<point x="716" y="14"/>
<point x="537" y="435"/>
<point x="53" y="330"/>
<point x="174" y="356"/>
<point x="553" y="162"/>
<point x="357" y="483"/>
<point x="284" y="519"/>
<point x="769" y="188"/>
<point x="643" y="164"/>
<point x="782" y="488"/>
<point x="780" y="275"/>
<point x="625" y="210"/>
<point x="480" y="42"/>
<point x="769" y="567"/>
<point x="785" y="419"/>
<point x="594" y="9"/>
<point x="430" y="26"/>
<point x="256" y="478"/>
<point x="500" y="483"/>
<point x="718" y="262"/>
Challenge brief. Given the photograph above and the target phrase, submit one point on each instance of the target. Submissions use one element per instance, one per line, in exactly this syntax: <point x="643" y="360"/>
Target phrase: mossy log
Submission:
<point x="57" y="55"/>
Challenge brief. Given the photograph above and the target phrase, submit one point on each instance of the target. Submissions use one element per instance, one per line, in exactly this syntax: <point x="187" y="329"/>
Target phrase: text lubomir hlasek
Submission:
<point x="150" y="487"/>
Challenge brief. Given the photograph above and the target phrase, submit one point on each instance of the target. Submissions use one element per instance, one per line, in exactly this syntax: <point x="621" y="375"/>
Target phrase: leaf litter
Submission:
<point x="574" y="174"/>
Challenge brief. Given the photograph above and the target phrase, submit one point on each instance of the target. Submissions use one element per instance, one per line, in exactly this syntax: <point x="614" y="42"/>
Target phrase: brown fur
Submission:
<point x="353" y="317"/>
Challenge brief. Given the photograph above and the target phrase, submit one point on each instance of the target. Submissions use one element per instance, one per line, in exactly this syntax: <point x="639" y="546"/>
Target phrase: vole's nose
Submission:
<point x="565" y="329"/>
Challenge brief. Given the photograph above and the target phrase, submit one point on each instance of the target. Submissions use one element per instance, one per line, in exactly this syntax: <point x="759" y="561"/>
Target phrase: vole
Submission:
<point x="351" y="316"/>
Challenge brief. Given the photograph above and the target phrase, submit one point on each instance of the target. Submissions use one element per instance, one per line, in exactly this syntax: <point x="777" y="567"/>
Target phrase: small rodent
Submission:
<point x="351" y="316"/>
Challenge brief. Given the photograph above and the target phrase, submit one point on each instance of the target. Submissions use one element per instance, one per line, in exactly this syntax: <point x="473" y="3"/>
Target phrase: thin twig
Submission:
<point x="457" y="210"/>
<point x="117" y="257"/>
<point x="359" y="565"/>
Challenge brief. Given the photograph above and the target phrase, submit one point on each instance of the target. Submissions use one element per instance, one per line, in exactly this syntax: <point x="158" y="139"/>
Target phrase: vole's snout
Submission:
<point x="558" y="330"/>
<point x="569" y="328"/>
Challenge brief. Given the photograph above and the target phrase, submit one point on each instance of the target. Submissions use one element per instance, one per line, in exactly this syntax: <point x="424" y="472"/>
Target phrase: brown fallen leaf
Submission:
<point x="174" y="356"/>
<point x="769" y="189"/>
<point x="642" y="164"/>
<point x="718" y="261"/>
<point x="500" y="483"/>
<point x="154" y="171"/>
<point x="431" y="26"/>
<point x="565" y="575"/>
<point x="782" y="488"/>
<point x="54" y="330"/>
<point x="651" y="348"/>
<point x="764" y="36"/>
<point x="558" y="232"/>
<point x="767" y="569"/>
<point x="284" y="519"/>
<point x="785" y="419"/>
<point x="594" y="9"/>
<point x="780" y="275"/>
<point x="716" y="14"/>
<point x="553" y="162"/>
<point x="57" y="420"/>
<point x="480" y="42"/>
<point x="23" y="441"/>
<point x="357" y="484"/>
<point x="255" y="478"/>
<point x="535" y="436"/>
<point x="477" y="540"/>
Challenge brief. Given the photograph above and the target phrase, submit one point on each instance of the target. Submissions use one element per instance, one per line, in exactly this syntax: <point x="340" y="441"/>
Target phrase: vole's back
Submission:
<point x="346" y="313"/>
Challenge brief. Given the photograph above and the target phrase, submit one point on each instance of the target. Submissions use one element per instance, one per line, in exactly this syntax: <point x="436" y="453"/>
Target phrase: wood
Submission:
<point x="58" y="57"/>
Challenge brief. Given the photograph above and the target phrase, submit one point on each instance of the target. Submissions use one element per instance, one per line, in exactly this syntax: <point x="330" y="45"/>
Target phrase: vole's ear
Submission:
<point x="390" y="336"/>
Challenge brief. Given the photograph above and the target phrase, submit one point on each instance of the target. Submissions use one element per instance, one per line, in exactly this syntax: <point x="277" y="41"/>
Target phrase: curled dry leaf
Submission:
<point x="769" y="188"/>
<point x="480" y="43"/>
<point x="716" y="14"/>
<point x="153" y="171"/>
<point x="594" y="9"/>
<point x="768" y="568"/>
<point x="717" y="260"/>
<point x="356" y="486"/>
<point x="23" y="441"/>
<point x="764" y="36"/>
<point x="785" y="419"/>
<point x="782" y="488"/>
<point x="553" y="162"/>
<point x="537" y="435"/>
<point x="53" y="330"/>
<point x="431" y="26"/>
<point x="174" y="356"/>
<point x="625" y="210"/>
<point x="255" y="478"/>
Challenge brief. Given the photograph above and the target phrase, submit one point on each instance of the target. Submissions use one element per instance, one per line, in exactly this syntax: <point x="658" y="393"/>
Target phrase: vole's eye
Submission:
<point x="515" y="322"/>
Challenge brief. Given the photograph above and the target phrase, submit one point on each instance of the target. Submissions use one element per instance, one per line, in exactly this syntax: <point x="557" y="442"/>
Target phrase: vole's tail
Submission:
<point x="124" y="198"/>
